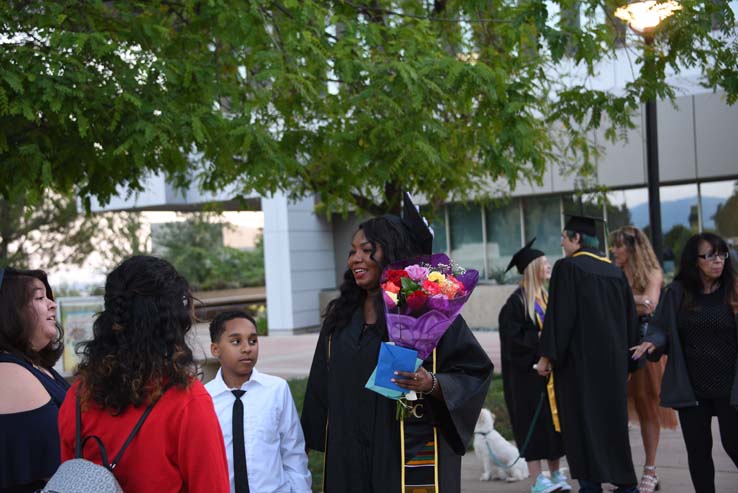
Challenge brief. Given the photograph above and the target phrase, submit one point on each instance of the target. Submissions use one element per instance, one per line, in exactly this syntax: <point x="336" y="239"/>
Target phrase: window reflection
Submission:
<point x="438" y="223"/>
<point x="720" y="208"/>
<point x="542" y="219"/>
<point x="679" y="220"/>
<point x="467" y="248"/>
<point x="503" y="237"/>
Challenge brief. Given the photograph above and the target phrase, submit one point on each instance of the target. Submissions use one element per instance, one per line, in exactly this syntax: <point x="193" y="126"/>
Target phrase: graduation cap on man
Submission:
<point x="586" y="225"/>
<point x="524" y="257"/>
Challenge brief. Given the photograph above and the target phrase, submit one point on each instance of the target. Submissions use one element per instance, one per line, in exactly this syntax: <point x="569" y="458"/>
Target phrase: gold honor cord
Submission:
<point x="550" y="383"/>
<point x="325" y="444"/>
<point x="435" y="447"/>
<point x="588" y="254"/>
<point x="435" y="436"/>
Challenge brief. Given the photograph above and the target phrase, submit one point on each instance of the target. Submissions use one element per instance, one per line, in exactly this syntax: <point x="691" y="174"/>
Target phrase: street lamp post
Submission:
<point x="644" y="17"/>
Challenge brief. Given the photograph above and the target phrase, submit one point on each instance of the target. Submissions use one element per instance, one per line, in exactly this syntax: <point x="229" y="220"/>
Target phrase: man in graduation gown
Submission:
<point x="590" y="324"/>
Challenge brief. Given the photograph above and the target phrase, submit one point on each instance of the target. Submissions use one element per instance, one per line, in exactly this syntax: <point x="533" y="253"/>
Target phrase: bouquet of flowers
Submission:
<point x="422" y="298"/>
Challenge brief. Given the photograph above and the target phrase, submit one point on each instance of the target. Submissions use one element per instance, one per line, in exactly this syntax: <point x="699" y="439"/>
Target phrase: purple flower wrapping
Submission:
<point x="423" y="333"/>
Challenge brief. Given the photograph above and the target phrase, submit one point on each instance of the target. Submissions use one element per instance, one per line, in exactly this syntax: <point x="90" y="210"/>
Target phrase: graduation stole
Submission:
<point x="541" y="304"/>
<point x="420" y="473"/>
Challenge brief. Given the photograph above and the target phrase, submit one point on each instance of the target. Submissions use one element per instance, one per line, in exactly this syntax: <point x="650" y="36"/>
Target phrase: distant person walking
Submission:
<point x="696" y="324"/>
<point x="527" y="393"/>
<point x="590" y="324"/>
<point x="633" y="253"/>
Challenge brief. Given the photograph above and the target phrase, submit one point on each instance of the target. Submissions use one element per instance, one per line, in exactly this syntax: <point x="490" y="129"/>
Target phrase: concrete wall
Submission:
<point x="298" y="261"/>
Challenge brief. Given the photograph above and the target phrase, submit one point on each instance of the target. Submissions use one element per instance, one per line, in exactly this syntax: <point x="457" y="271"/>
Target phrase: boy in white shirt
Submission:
<point x="275" y="459"/>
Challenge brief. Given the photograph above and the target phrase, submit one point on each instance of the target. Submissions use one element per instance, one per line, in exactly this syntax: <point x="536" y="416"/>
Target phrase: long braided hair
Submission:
<point x="139" y="338"/>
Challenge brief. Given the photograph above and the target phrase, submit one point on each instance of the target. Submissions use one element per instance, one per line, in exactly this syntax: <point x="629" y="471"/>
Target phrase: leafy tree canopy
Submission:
<point x="355" y="99"/>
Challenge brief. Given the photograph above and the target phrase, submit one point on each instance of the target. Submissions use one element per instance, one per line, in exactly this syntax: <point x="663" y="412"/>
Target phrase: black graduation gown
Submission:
<point x="521" y="383"/>
<point x="363" y="436"/>
<point x="590" y="324"/>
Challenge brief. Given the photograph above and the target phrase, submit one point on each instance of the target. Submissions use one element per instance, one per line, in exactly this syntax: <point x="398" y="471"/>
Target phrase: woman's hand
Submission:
<point x="641" y="349"/>
<point x="419" y="381"/>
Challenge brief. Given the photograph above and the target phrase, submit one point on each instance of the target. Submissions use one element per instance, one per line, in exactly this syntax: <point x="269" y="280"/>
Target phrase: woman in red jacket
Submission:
<point x="139" y="354"/>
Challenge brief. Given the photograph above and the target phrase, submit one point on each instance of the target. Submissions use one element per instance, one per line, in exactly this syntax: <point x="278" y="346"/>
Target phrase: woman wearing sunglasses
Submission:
<point x="696" y="324"/>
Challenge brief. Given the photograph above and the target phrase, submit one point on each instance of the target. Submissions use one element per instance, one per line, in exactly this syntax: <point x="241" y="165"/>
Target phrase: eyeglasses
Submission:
<point x="712" y="257"/>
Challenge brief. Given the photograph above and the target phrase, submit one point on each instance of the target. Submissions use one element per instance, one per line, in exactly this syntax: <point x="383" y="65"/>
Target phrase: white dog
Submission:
<point x="486" y="438"/>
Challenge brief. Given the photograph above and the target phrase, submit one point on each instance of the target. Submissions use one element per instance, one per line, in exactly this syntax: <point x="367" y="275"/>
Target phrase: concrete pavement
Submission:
<point x="291" y="356"/>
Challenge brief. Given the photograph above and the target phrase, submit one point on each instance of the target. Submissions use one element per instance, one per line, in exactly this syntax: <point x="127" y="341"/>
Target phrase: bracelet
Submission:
<point x="435" y="381"/>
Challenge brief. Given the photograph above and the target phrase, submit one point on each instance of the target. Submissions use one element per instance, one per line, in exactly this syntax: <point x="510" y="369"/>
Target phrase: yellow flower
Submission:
<point x="436" y="277"/>
<point x="391" y="295"/>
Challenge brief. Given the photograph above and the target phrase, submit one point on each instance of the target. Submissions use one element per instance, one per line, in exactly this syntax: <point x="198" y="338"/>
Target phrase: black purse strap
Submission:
<point x="79" y="443"/>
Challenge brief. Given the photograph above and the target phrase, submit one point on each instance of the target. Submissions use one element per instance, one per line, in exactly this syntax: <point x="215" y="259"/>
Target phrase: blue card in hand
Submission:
<point x="391" y="359"/>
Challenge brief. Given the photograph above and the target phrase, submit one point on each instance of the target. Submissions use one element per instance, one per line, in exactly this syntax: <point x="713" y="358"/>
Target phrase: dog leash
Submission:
<point x="492" y="455"/>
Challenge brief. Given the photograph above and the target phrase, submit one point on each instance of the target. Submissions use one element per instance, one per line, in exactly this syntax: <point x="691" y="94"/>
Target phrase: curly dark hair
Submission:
<point x="139" y="340"/>
<point x="397" y="243"/>
<point x="17" y="321"/>
<point x="689" y="272"/>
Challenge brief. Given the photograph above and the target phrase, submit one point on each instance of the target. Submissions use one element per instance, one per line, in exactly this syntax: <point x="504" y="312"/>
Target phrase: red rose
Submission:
<point x="431" y="287"/>
<point x="416" y="300"/>
<point x="395" y="275"/>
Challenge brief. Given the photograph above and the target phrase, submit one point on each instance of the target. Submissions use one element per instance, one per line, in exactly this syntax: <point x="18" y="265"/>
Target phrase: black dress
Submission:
<point x="29" y="440"/>
<point x="357" y="428"/>
<point x="522" y="385"/>
<point x="590" y="324"/>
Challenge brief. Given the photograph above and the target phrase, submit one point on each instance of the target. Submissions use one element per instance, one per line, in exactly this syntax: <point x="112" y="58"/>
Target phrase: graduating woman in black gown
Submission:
<point x="366" y="449"/>
<point x="520" y="322"/>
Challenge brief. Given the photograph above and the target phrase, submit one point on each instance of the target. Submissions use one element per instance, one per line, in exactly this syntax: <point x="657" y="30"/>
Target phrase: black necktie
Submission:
<point x="239" y="445"/>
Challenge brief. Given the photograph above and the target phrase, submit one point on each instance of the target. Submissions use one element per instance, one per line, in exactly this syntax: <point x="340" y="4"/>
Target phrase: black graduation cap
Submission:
<point x="585" y="225"/>
<point x="417" y="225"/>
<point x="523" y="257"/>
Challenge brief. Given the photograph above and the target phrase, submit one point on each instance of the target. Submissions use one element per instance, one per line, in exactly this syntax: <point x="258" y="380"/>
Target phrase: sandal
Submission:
<point x="649" y="481"/>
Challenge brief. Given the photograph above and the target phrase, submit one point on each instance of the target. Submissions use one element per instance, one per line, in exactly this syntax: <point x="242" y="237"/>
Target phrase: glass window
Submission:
<point x="467" y="246"/>
<point x="720" y="209"/>
<point x="626" y="207"/>
<point x="438" y="224"/>
<point x="542" y="219"/>
<point x="503" y="237"/>
<point x="679" y="220"/>
<point x="587" y="204"/>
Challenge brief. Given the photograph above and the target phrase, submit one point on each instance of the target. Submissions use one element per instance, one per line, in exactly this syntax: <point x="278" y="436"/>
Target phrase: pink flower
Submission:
<point x="416" y="272"/>
<point x="431" y="287"/>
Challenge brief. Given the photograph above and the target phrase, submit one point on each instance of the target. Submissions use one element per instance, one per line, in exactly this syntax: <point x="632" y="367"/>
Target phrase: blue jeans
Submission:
<point x="592" y="487"/>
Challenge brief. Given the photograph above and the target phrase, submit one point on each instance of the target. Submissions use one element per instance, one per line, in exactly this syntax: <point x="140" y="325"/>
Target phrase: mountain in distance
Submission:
<point x="677" y="212"/>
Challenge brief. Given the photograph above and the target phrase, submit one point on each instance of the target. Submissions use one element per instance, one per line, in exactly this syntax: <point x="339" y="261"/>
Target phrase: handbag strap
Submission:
<point x="79" y="443"/>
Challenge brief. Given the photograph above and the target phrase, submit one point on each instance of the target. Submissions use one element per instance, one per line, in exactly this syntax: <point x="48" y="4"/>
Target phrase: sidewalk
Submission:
<point x="291" y="356"/>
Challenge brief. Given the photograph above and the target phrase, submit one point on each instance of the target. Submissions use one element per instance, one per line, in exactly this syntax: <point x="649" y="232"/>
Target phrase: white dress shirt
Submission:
<point x="275" y="445"/>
